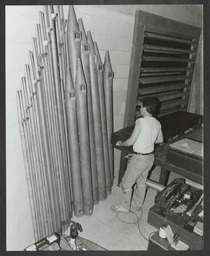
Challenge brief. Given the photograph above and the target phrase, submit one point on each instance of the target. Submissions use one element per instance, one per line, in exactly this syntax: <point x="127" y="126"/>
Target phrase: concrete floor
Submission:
<point x="105" y="228"/>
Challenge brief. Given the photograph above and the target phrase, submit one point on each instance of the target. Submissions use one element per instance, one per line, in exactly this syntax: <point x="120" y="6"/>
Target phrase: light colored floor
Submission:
<point x="104" y="228"/>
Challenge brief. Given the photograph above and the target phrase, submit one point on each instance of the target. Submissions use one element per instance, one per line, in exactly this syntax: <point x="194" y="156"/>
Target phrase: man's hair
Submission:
<point x="152" y="104"/>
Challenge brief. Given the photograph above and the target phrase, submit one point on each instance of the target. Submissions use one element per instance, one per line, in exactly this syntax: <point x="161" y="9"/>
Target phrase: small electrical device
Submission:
<point x="49" y="243"/>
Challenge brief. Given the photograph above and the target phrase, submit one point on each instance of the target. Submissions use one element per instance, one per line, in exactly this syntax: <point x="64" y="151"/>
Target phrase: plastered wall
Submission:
<point x="112" y="29"/>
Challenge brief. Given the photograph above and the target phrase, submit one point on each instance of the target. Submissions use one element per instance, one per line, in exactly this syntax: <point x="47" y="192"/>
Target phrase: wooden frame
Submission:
<point x="162" y="64"/>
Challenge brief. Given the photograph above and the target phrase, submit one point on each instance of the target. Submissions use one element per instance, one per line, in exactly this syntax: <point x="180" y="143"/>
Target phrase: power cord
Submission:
<point x="138" y="219"/>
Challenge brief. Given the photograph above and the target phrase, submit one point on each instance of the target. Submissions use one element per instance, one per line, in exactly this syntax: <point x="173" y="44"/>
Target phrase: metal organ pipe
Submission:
<point x="108" y="89"/>
<point x="103" y="119"/>
<point x="74" y="41"/>
<point x="97" y="120"/>
<point x="83" y="134"/>
<point x="65" y="111"/>
<point x="86" y="68"/>
<point x="70" y="100"/>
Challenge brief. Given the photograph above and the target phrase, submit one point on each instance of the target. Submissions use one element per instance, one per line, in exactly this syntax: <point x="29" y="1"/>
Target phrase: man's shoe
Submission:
<point x="119" y="208"/>
<point x="136" y="207"/>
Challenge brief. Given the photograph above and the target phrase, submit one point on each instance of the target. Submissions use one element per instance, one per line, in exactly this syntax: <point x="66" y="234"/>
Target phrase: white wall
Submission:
<point x="20" y="27"/>
<point x="112" y="29"/>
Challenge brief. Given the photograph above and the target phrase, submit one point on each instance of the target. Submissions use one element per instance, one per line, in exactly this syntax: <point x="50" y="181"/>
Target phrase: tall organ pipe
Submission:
<point x="55" y="173"/>
<point x="60" y="111"/>
<point x="82" y="119"/>
<point x="108" y="89"/>
<point x="103" y="118"/>
<point x="97" y="120"/>
<point x="36" y="105"/>
<point x="48" y="167"/>
<point x="36" y="124"/>
<point x="60" y="33"/>
<point x="31" y="149"/>
<point x="27" y="162"/>
<point x="85" y="63"/>
<point x="74" y="41"/>
<point x="45" y="26"/>
<point x="70" y="100"/>
<point x="30" y="109"/>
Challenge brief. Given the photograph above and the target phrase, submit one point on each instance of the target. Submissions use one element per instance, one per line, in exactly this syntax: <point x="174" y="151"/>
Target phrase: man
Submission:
<point x="146" y="133"/>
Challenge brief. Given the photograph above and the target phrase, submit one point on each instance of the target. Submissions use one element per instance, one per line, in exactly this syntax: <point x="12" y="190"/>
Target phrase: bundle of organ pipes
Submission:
<point x="65" y="108"/>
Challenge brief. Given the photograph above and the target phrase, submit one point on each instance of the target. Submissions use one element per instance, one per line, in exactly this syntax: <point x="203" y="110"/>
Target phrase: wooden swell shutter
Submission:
<point x="162" y="64"/>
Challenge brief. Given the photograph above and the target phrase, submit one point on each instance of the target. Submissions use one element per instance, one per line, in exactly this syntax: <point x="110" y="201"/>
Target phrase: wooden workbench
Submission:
<point x="185" y="164"/>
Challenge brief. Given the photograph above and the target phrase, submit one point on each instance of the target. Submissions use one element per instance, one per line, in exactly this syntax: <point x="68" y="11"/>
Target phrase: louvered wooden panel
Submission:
<point x="162" y="64"/>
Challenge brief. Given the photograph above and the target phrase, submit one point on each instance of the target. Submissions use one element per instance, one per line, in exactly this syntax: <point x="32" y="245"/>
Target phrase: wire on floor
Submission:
<point x="138" y="219"/>
<point x="127" y="213"/>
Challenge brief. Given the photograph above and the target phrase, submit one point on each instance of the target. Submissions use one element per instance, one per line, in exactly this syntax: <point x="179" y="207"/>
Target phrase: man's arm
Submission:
<point x="159" y="137"/>
<point x="130" y="141"/>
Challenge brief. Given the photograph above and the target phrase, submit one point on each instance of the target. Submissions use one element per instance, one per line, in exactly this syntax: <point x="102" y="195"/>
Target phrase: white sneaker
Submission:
<point x="119" y="208"/>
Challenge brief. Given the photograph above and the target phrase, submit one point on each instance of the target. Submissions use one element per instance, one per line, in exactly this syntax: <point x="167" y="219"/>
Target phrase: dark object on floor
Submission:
<point x="180" y="206"/>
<point x="74" y="232"/>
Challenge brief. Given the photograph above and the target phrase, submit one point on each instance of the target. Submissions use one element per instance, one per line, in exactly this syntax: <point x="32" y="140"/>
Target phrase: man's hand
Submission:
<point x="119" y="143"/>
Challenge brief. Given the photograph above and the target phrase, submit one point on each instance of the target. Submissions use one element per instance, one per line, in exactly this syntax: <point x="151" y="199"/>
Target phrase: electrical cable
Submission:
<point x="138" y="219"/>
<point x="147" y="239"/>
<point x="126" y="213"/>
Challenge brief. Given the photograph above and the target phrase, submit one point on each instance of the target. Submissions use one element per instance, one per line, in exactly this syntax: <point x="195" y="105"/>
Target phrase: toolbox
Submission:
<point x="180" y="206"/>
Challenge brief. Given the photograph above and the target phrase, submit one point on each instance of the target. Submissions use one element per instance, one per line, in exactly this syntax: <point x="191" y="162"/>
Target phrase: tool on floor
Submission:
<point x="74" y="228"/>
